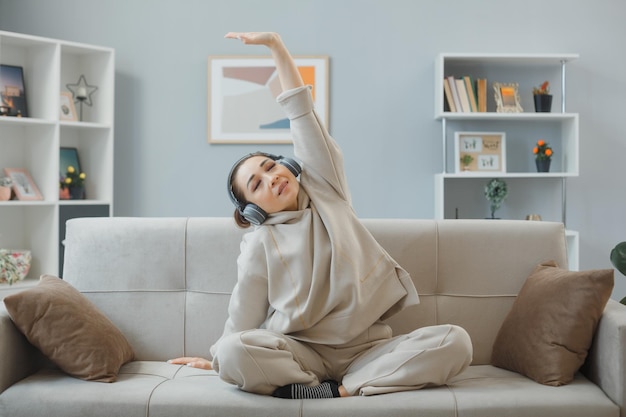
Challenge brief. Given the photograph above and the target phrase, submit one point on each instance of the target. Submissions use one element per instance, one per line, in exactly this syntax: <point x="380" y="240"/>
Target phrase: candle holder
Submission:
<point x="81" y="92"/>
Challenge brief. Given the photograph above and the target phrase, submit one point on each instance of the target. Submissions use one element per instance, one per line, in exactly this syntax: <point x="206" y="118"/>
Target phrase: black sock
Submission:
<point x="327" y="389"/>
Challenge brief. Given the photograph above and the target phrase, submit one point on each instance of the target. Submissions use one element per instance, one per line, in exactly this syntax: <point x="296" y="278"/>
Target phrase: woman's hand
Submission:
<point x="255" y="38"/>
<point x="193" y="362"/>
<point x="287" y="71"/>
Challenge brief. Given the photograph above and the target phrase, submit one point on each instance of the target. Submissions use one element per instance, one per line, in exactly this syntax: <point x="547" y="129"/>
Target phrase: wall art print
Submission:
<point x="242" y="95"/>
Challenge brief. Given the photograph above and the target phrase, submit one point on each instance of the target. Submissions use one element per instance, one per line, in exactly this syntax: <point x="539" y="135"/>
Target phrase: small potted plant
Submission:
<point x="543" y="155"/>
<point x="5" y="188"/>
<point x="543" y="98"/>
<point x="72" y="186"/>
<point x="496" y="191"/>
<point x="466" y="160"/>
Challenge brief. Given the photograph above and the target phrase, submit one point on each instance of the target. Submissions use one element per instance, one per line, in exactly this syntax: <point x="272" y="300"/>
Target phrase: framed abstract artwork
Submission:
<point x="242" y="95"/>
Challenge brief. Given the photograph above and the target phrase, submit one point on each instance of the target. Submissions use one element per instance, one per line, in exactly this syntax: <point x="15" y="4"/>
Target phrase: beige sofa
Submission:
<point x="165" y="283"/>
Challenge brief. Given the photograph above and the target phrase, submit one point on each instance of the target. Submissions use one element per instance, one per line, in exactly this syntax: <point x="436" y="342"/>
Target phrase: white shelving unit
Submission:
<point x="33" y="143"/>
<point x="460" y="194"/>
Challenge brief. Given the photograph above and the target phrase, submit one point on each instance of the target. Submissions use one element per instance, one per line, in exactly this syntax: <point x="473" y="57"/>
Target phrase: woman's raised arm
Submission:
<point x="287" y="69"/>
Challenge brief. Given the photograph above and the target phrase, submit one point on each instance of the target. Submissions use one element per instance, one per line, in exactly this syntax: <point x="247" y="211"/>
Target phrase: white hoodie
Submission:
<point x="315" y="274"/>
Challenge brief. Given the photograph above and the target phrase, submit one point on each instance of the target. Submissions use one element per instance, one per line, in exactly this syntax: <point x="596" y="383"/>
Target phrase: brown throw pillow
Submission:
<point x="68" y="328"/>
<point x="549" y="330"/>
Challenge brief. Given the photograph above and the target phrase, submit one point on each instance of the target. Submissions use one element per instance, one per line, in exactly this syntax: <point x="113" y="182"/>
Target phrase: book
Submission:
<point x="455" y="94"/>
<point x="471" y="93"/>
<point x="460" y="88"/>
<point x="481" y="94"/>
<point x="449" y="96"/>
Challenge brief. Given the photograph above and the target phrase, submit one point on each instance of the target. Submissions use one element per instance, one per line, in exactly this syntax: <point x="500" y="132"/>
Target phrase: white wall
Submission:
<point x="381" y="102"/>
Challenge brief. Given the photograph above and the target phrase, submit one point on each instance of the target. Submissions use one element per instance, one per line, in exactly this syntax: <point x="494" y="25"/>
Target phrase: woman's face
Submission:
<point x="268" y="184"/>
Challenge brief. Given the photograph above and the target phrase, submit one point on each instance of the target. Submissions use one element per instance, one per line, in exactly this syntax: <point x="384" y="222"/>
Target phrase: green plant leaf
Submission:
<point x="618" y="257"/>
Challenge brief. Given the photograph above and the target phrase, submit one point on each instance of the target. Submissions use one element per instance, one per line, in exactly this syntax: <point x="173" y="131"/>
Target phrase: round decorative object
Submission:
<point x="14" y="265"/>
<point x="543" y="165"/>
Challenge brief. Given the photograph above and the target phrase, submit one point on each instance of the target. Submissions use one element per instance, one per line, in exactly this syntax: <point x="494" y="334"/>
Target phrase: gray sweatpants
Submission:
<point x="260" y="361"/>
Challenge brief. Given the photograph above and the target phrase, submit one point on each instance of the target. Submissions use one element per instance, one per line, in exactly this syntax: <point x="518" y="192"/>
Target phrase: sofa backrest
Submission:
<point x="166" y="282"/>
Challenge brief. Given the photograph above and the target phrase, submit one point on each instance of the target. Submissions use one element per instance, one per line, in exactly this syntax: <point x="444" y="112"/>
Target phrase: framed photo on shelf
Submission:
<point x="23" y="185"/>
<point x="480" y="151"/>
<point x="67" y="110"/>
<point x="242" y="95"/>
<point x="12" y="91"/>
<point x="507" y="98"/>
<point x="68" y="157"/>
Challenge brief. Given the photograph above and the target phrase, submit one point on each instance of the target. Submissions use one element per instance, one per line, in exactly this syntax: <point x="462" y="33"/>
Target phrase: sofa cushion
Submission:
<point x="548" y="332"/>
<point x="158" y="389"/>
<point x="67" y="328"/>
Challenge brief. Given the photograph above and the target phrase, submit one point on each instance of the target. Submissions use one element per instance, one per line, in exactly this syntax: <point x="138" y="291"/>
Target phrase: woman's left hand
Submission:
<point x="194" y="362"/>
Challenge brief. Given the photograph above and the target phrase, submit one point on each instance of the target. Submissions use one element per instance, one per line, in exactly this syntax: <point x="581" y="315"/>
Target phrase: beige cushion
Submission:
<point x="548" y="332"/>
<point x="68" y="328"/>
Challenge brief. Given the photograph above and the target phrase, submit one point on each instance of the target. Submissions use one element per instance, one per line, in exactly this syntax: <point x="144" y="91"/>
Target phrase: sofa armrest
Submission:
<point x="606" y="363"/>
<point x="18" y="358"/>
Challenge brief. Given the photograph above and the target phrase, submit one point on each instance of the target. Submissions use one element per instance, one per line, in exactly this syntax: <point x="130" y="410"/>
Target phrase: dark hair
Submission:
<point x="238" y="194"/>
<point x="240" y="221"/>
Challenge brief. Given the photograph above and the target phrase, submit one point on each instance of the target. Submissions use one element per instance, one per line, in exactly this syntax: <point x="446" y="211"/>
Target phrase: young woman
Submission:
<point x="313" y="284"/>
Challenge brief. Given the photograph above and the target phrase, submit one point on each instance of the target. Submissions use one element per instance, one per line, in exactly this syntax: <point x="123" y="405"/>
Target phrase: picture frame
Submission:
<point x="67" y="109"/>
<point x="507" y="98"/>
<point x="23" y="184"/>
<point x="484" y="151"/>
<point x="68" y="156"/>
<point x="242" y="93"/>
<point x="12" y="91"/>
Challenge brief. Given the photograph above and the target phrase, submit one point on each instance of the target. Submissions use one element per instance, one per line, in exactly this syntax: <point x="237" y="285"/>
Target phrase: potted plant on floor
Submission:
<point x="618" y="259"/>
<point x="543" y="98"/>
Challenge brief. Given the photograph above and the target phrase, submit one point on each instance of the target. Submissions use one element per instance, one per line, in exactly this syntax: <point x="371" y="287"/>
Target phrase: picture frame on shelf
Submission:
<point x="68" y="156"/>
<point x="67" y="109"/>
<point x="12" y="91"/>
<point x="480" y="152"/>
<point x="242" y="95"/>
<point x="507" y="98"/>
<point x="23" y="185"/>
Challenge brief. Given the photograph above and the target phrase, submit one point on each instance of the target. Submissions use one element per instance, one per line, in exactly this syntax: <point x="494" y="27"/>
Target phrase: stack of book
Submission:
<point x="464" y="95"/>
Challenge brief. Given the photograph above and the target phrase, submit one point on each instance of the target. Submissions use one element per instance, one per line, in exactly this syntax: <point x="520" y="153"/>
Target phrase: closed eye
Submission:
<point x="268" y="167"/>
